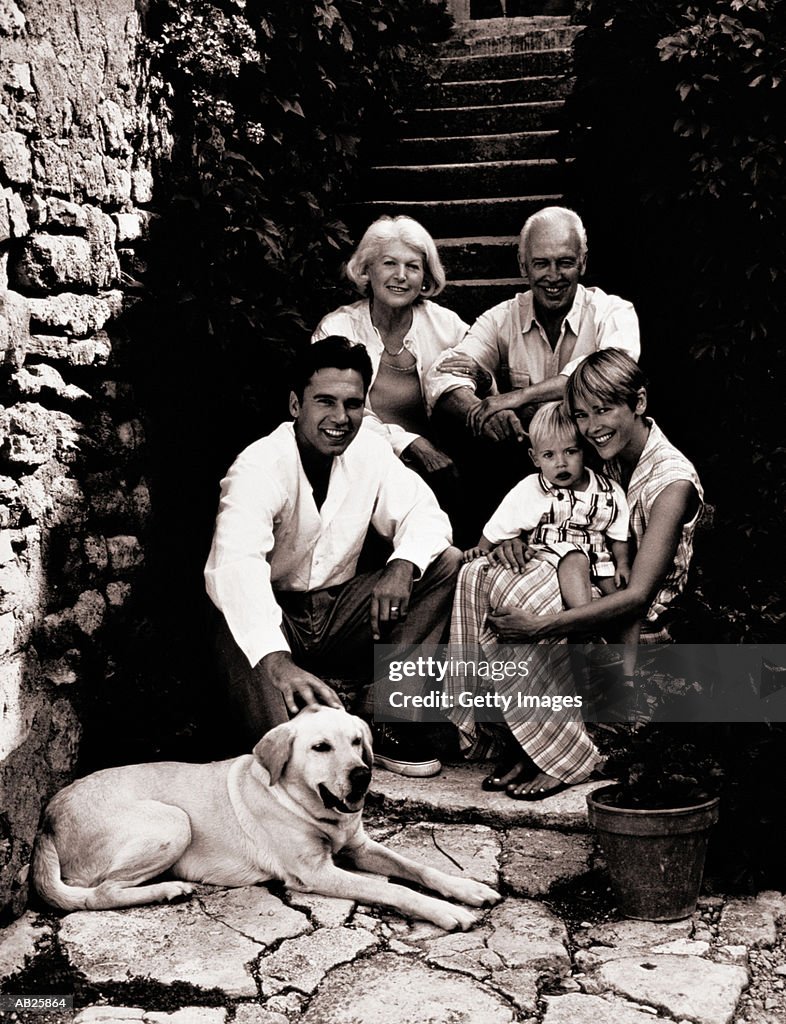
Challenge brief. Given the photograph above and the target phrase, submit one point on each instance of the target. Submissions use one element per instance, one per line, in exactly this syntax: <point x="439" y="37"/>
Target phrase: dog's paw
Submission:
<point x="176" y="890"/>
<point x="457" y="919"/>
<point x="473" y="893"/>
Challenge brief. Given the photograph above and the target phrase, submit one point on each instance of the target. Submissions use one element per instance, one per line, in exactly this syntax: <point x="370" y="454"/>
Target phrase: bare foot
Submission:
<point x="537" y="787"/>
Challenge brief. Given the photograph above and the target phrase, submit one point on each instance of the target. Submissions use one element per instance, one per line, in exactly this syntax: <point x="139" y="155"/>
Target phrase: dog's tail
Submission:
<point x="49" y="882"/>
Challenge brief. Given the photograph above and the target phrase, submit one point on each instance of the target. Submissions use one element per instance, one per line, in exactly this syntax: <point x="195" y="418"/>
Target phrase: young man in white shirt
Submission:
<point x="294" y="513"/>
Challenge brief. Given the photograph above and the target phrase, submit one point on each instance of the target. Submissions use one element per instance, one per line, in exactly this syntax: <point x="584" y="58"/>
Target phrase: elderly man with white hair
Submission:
<point x="530" y="344"/>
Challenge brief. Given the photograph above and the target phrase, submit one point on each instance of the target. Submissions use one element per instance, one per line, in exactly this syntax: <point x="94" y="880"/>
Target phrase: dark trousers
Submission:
<point x="329" y="634"/>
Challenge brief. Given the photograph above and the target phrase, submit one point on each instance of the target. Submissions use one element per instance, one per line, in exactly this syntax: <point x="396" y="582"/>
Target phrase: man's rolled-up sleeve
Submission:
<point x="616" y="326"/>
<point x="407" y="513"/>
<point x="480" y="343"/>
<point x="237" y="574"/>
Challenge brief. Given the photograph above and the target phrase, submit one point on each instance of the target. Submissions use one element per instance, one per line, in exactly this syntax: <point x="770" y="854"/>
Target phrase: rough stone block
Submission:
<point x="125" y="553"/>
<point x="76" y="352"/>
<point x="62" y="213"/>
<point x="680" y="986"/>
<point x="186" y="942"/>
<point x="33" y="435"/>
<point x="14" y="327"/>
<point x="80" y="315"/>
<point x="398" y="990"/>
<point x="88" y="612"/>
<point x="12" y="21"/>
<point x="117" y="593"/>
<point x="17" y="706"/>
<point x="471" y="851"/>
<point x="18" y="224"/>
<point x="15" y="158"/>
<point x="18" y="80"/>
<point x="136" y="1015"/>
<point x="50" y="262"/>
<point x="7" y="632"/>
<point x="110" y="117"/>
<point x="63" y="745"/>
<point x="749" y="922"/>
<point x="18" y="943"/>
<point x="527" y="934"/>
<point x="42" y="379"/>
<point x="302" y="963"/>
<point x="62" y="671"/>
<point x="583" y="1009"/>
<point x="132" y="226"/>
<point x="537" y="860"/>
<point x="51" y="166"/>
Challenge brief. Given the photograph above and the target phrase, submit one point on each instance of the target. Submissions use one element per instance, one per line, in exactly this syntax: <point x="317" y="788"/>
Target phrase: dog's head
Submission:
<point x="323" y="756"/>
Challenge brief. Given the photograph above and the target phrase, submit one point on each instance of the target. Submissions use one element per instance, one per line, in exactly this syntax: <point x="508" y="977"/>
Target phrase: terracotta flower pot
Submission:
<point x="655" y="857"/>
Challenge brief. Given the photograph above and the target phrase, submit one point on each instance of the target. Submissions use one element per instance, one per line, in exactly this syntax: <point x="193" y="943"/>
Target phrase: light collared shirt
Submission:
<point x="434" y="330"/>
<point x="561" y="514"/>
<point x="271" y="537"/>
<point x="507" y="341"/>
<point x="659" y="465"/>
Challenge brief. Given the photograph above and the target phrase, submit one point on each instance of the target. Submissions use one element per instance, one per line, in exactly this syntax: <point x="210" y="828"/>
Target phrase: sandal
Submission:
<point x="493" y="783"/>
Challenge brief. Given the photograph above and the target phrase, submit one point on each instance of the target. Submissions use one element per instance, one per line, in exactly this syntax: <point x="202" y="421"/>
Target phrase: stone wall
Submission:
<point x="78" y="142"/>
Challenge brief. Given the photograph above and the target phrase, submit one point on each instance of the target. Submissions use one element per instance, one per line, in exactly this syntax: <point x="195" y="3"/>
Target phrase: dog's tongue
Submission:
<point x="332" y="802"/>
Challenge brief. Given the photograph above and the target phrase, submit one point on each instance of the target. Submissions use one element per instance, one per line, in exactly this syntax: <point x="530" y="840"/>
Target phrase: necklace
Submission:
<point x="393" y="354"/>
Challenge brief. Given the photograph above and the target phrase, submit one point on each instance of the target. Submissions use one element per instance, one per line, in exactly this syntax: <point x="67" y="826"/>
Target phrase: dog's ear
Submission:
<point x="368" y="752"/>
<point x="274" y="749"/>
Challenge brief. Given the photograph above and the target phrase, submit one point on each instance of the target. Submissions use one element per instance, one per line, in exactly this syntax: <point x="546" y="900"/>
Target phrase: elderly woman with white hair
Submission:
<point x="396" y="267"/>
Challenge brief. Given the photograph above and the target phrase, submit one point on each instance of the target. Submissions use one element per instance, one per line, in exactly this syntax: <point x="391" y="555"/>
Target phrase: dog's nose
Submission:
<point x="359" y="778"/>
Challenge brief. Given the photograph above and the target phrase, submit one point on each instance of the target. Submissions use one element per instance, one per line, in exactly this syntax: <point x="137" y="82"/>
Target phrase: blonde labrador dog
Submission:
<point x="281" y="813"/>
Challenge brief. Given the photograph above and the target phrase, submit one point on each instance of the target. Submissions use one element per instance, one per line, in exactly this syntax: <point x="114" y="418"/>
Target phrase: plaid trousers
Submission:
<point x="560" y="745"/>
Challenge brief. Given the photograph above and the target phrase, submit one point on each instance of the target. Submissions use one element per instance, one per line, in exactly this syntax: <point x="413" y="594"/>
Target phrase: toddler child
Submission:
<point x="576" y="519"/>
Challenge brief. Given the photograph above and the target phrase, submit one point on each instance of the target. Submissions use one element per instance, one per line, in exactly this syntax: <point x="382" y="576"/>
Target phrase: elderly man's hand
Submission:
<point x="429" y="459"/>
<point x="480" y="413"/>
<point x="503" y="426"/>
<point x="390" y="596"/>
<point x="297" y="687"/>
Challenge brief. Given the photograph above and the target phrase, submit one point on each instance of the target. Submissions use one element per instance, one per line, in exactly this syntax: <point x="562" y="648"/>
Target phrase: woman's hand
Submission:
<point x="512" y="554"/>
<point x="510" y="623"/>
<point x="478" y="414"/>
<point x="465" y="366"/>
<point x="423" y="454"/>
<point x="472" y="553"/>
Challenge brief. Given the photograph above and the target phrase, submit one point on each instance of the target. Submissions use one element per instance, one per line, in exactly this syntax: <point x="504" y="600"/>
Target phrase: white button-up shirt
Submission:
<point x="270" y="536"/>
<point x="434" y="330"/>
<point x="507" y="339"/>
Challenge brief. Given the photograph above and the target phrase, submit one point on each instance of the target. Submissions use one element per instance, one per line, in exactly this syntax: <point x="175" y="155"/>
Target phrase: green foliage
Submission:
<point x="272" y="107"/>
<point x="679" y="125"/>
<point x="274" y="104"/>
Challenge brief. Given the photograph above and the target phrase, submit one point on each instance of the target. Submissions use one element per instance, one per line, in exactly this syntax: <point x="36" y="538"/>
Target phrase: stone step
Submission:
<point x="504" y="65"/>
<point x="470" y="298"/>
<point x="449" y="148"/>
<point x="453" y="218"/>
<point x="484" y="119"/>
<point x="455" y="795"/>
<point x="499" y="91"/>
<point x="510" y="35"/>
<point x="466" y="181"/>
<point x="485" y="257"/>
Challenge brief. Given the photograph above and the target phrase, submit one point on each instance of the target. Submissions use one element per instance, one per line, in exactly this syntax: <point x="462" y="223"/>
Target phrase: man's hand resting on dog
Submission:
<point x="296" y="686"/>
<point x="390" y="597"/>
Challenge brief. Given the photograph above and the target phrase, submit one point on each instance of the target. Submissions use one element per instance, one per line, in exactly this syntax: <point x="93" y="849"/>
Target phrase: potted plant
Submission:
<point x="653" y="824"/>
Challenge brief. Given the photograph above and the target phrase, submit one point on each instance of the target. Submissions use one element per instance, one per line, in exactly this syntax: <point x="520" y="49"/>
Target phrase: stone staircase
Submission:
<point x="481" y="154"/>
